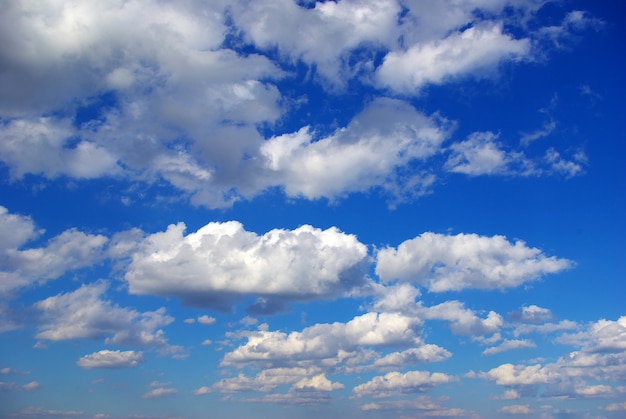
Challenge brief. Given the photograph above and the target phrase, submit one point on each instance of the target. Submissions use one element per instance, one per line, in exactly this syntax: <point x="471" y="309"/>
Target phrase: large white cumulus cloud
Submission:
<point x="222" y="261"/>
<point x="444" y="263"/>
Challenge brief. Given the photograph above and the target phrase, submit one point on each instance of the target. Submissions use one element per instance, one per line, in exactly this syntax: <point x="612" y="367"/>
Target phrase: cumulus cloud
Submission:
<point x="322" y="35"/>
<point x="220" y="262"/>
<point x="395" y="383"/>
<point x="387" y="135"/>
<point x="206" y="319"/>
<point x="325" y="344"/>
<point x="600" y="357"/>
<point x="111" y="359"/>
<point x="177" y="98"/>
<point x="462" y="321"/>
<point x="452" y="263"/>
<point x="84" y="314"/>
<point x="480" y="154"/>
<point x="21" y="266"/>
<point x="474" y="51"/>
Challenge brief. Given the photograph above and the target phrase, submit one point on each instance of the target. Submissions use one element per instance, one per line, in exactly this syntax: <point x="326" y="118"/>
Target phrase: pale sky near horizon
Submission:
<point x="289" y="208"/>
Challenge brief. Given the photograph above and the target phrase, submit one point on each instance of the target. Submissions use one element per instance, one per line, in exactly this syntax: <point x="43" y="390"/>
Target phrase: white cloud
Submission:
<point x="159" y="392"/>
<point x="176" y="104"/>
<point x="509" y="395"/>
<point x="463" y="321"/>
<point x="323" y="35"/>
<point x="399" y="297"/>
<point x="83" y="314"/>
<point x="600" y="337"/>
<point x="474" y="51"/>
<point x="516" y="375"/>
<point x="111" y="359"/>
<point x="516" y="409"/>
<point x="202" y="391"/>
<point x="20" y="266"/>
<point x="601" y="357"/>
<point x="387" y="135"/>
<point x="452" y="263"/>
<point x="395" y="383"/>
<point x="480" y="155"/>
<point x="616" y="407"/>
<point x="221" y="261"/>
<point x="325" y="344"/>
<point x="206" y="319"/>
<point x="270" y="379"/>
<point x="317" y="383"/>
<point x="507" y="345"/>
<point x="423" y="353"/>
<point x="532" y="314"/>
<point x="15" y="230"/>
<point x="544" y="131"/>
<point x="33" y="385"/>
<point x="568" y="168"/>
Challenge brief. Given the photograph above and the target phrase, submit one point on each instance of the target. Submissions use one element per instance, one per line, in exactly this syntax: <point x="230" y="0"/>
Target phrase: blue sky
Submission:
<point x="280" y="208"/>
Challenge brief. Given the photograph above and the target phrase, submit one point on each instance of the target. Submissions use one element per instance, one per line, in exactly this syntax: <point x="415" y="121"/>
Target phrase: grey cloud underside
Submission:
<point x="189" y="110"/>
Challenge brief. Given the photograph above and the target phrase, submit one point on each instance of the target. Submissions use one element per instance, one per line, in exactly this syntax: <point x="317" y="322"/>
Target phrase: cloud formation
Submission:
<point x="111" y="359"/>
<point x="222" y="262"/>
<point x="453" y="263"/>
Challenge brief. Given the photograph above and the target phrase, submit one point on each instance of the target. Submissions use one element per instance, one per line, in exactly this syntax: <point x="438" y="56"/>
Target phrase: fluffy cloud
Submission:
<point x="600" y="358"/>
<point x="111" y="359"/>
<point x="42" y="146"/>
<point x="387" y="135"/>
<point x="322" y="35"/>
<point x="21" y="266"/>
<point x="474" y="51"/>
<point x="267" y="380"/>
<point x="206" y="319"/>
<point x="395" y="383"/>
<point x="83" y="314"/>
<point x="221" y="261"/>
<point x="152" y="91"/>
<point x="452" y="263"/>
<point x="325" y="344"/>
<point x="462" y="320"/>
<point x="480" y="154"/>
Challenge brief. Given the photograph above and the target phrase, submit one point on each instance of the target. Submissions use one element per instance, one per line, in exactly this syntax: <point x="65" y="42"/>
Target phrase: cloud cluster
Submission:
<point x="193" y="95"/>
<point x="395" y="383"/>
<point x="326" y="344"/>
<point x="20" y="267"/>
<point x="84" y="314"/>
<point x="600" y="357"/>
